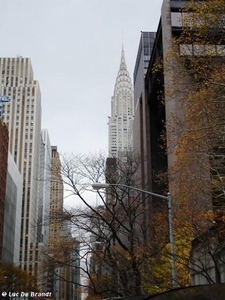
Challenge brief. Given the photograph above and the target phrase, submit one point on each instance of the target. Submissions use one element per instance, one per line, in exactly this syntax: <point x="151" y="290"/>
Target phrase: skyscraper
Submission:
<point x="141" y="66"/>
<point x="56" y="199"/>
<point x="56" y="212"/>
<point x="120" y="121"/>
<point x="44" y="188"/>
<point x="23" y="118"/>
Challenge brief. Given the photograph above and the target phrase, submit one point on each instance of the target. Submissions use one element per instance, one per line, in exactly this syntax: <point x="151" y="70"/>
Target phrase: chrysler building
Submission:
<point x="121" y="119"/>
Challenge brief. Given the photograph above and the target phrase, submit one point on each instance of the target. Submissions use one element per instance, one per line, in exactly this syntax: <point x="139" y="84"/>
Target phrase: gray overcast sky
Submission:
<point x="75" y="48"/>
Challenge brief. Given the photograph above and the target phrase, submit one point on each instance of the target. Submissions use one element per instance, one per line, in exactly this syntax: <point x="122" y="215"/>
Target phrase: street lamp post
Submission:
<point x="98" y="186"/>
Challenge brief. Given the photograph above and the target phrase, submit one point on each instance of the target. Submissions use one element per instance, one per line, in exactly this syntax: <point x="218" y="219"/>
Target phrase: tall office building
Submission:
<point x="56" y="200"/>
<point x="55" y="217"/>
<point x="44" y="188"/>
<point x="64" y="277"/>
<point x="23" y="118"/>
<point x="43" y="206"/>
<point x="12" y="214"/>
<point x="141" y="66"/>
<point x="120" y="121"/>
<point x="3" y="176"/>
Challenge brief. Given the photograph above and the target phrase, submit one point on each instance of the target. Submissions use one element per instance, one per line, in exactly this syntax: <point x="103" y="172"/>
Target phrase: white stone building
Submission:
<point x="122" y="107"/>
<point x="22" y="114"/>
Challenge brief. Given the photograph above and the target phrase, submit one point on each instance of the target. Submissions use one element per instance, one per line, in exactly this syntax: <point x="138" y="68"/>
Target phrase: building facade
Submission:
<point x="207" y="257"/>
<point x="12" y="214"/>
<point x="3" y="176"/>
<point x="23" y="118"/>
<point x="141" y="66"/>
<point x="122" y="107"/>
<point x="64" y="274"/>
<point x="56" y="199"/>
<point x="155" y="110"/>
<point x="44" y="188"/>
<point x="159" y="123"/>
<point x="56" y="210"/>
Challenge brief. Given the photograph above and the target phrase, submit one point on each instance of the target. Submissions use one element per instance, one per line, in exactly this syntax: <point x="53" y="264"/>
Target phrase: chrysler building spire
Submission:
<point x="123" y="65"/>
<point x="121" y="119"/>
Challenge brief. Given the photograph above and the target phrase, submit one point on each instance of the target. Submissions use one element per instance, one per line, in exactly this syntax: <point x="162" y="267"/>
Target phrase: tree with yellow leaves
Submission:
<point x="196" y="129"/>
<point x="13" y="279"/>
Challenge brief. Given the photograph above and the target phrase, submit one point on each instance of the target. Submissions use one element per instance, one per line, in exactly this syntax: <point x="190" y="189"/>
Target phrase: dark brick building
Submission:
<point x="3" y="175"/>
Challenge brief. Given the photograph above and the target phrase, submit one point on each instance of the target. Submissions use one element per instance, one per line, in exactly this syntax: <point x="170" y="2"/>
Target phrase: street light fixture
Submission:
<point x="98" y="186"/>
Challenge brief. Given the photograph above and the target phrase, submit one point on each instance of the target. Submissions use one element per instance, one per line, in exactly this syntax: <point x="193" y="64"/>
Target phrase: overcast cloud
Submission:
<point x="75" y="48"/>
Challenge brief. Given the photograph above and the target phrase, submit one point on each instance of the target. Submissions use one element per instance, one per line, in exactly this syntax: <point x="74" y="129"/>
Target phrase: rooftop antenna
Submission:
<point x="122" y="40"/>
